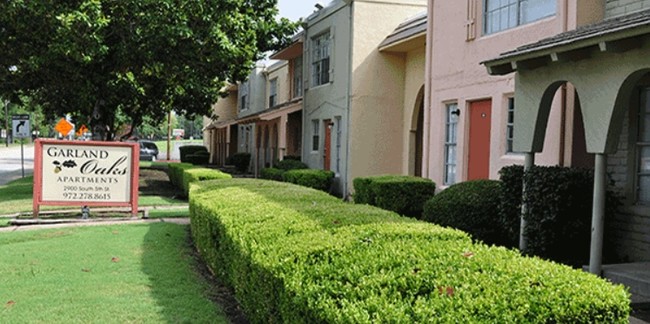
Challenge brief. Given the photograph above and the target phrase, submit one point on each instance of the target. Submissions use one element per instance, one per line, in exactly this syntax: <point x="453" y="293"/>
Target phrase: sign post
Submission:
<point x="86" y="173"/>
<point x="21" y="129"/>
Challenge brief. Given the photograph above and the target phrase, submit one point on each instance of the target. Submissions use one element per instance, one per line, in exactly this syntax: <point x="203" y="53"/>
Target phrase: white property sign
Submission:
<point x="82" y="173"/>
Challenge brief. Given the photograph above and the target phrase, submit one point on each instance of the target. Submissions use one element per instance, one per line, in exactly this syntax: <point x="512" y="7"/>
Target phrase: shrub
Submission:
<point x="559" y="214"/>
<point x="198" y="158"/>
<point x="404" y="195"/>
<point x="190" y="149"/>
<point x="271" y="174"/>
<point x="292" y="157"/>
<point x="290" y="165"/>
<point x="201" y="174"/>
<point x="175" y="173"/>
<point x="510" y="205"/>
<point x="471" y="206"/>
<point x="317" y="179"/>
<point x="296" y="255"/>
<point x="241" y="161"/>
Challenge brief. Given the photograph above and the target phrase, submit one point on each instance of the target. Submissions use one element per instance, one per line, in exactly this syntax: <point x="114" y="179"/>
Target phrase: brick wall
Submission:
<point x="614" y="8"/>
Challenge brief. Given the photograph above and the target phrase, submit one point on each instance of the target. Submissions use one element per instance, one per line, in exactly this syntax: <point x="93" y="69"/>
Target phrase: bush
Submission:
<point x="471" y="206"/>
<point x="510" y="205"/>
<point x="404" y="195"/>
<point x="241" y="161"/>
<point x="292" y="157"/>
<point x="201" y="174"/>
<point x="198" y="158"/>
<point x="271" y="174"/>
<point x="290" y="165"/>
<point x="175" y="173"/>
<point x="296" y="255"/>
<point x="559" y="214"/>
<point x="190" y="149"/>
<point x="317" y="179"/>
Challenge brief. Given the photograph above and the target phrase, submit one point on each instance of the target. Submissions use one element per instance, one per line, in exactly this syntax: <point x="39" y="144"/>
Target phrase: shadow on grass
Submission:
<point x="205" y="301"/>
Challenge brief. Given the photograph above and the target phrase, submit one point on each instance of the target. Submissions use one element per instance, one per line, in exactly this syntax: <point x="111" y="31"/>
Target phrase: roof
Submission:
<point x="617" y="28"/>
<point x="414" y="26"/>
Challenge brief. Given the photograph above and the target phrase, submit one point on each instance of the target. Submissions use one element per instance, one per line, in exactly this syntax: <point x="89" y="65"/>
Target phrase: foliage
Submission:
<point x="404" y="195"/>
<point x="198" y="158"/>
<point x="510" y="203"/>
<point x="317" y="179"/>
<point x="100" y="60"/>
<point x="175" y="172"/>
<point x="201" y="174"/>
<point x="105" y="274"/>
<point x="471" y="206"/>
<point x="296" y="255"/>
<point x="289" y="164"/>
<point x="241" y="161"/>
<point x="271" y="174"/>
<point x="190" y="149"/>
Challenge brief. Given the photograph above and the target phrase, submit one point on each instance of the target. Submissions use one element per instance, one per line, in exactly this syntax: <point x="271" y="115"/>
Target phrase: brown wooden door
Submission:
<point x="327" y="151"/>
<point x="480" y="120"/>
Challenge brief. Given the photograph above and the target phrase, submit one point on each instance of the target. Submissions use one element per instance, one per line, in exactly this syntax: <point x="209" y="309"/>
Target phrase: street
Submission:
<point x="10" y="165"/>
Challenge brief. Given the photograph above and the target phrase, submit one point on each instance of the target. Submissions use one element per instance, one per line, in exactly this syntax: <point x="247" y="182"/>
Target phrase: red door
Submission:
<point x="480" y="119"/>
<point x="328" y="144"/>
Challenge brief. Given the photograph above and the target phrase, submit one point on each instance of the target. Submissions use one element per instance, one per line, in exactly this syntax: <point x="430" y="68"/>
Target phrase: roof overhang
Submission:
<point x="289" y="108"/>
<point x="407" y="44"/>
<point x="292" y="51"/>
<point x="615" y="35"/>
<point x="409" y="35"/>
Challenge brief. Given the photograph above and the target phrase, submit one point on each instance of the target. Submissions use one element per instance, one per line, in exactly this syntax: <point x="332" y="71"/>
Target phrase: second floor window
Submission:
<point x="297" y="77"/>
<point x="273" y="92"/>
<point x="243" y="96"/>
<point x="320" y="59"/>
<point x="500" y="15"/>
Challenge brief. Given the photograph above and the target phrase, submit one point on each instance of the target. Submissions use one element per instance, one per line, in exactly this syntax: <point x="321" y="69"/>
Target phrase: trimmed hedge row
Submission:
<point x="182" y="174"/>
<point x="312" y="178"/>
<point x="198" y="158"/>
<point x="293" y="254"/>
<point x="405" y="195"/>
<point x="276" y="172"/>
<point x="189" y="150"/>
<point x="471" y="206"/>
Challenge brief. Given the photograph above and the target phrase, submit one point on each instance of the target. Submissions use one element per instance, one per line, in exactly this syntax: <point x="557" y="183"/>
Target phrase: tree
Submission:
<point x="96" y="59"/>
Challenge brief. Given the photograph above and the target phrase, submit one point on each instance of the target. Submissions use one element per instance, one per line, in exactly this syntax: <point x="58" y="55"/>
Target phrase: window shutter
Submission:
<point x="470" y="23"/>
<point x="331" y="49"/>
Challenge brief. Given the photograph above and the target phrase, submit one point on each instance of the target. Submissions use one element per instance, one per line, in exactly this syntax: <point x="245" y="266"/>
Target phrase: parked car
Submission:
<point x="148" y="151"/>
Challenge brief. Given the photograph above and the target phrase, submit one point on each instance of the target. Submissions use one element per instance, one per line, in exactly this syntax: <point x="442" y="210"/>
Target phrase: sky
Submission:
<point x="295" y="9"/>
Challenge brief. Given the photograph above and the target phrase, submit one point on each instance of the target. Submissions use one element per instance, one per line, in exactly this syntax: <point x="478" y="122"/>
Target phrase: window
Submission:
<point x="320" y="59"/>
<point x="243" y="96"/>
<point x="500" y="15"/>
<point x="273" y="92"/>
<point x="297" y="77"/>
<point x="315" y="143"/>
<point x="510" y="125"/>
<point x="643" y="149"/>
<point x="450" y="143"/>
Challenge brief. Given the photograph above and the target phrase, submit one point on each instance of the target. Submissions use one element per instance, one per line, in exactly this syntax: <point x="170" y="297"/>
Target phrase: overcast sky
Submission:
<point x="295" y="9"/>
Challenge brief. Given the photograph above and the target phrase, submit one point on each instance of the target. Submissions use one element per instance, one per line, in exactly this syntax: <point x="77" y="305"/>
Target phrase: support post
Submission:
<point x="598" y="215"/>
<point x="528" y="164"/>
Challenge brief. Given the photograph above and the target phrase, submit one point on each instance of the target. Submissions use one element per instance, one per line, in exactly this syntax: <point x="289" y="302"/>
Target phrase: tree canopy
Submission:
<point x="97" y="59"/>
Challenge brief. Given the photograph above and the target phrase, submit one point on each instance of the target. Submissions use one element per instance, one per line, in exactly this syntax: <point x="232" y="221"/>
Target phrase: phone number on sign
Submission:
<point x="86" y="196"/>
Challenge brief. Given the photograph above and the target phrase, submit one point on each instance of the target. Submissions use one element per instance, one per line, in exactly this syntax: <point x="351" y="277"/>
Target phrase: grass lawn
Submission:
<point x="155" y="190"/>
<point x="106" y="274"/>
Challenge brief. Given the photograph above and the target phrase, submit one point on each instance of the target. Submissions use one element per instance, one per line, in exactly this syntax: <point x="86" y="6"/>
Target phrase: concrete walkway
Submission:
<point x="96" y="222"/>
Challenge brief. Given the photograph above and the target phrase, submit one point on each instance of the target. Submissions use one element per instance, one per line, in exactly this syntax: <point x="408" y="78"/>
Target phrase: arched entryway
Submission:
<point x="416" y="136"/>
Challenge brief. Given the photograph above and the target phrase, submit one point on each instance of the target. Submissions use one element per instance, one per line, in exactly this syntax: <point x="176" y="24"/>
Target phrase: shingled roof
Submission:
<point x="631" y="25"/>
<point x="409" y="28"/>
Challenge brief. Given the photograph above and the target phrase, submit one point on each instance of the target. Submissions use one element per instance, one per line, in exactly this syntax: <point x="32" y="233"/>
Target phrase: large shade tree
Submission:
<point x="100" y="59"/>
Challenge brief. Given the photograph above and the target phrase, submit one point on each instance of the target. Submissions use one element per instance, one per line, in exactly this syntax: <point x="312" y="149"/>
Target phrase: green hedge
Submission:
<point x="405" y="195"/>
<point x="198" y="158"/>
<point x="190" y="149"/>
<point x="241" y="161"/>
<point x="271" y="174"/>
<point x="559" y="211"/>
<point x="471" y="206"/>
<point x="296" y="255"/>
<point x="289" y="164"/>
<point x="317" y="179"/>
<point x="201" y="174"/>
<point x="175" y="173"/>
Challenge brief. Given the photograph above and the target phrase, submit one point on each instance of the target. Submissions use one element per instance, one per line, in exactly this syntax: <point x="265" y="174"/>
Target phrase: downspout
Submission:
<point x="428" y="80"/>
<point x="349" y="100"/>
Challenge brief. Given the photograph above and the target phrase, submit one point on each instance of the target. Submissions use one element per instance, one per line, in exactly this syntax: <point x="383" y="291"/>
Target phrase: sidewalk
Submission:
<point x="7" y="177"/>
<point x="96" y="222"/>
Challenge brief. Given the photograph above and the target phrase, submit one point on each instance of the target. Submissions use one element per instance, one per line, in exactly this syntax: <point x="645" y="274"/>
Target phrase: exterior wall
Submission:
<point x="280" y="72"/>
<point x="457" y="76"/>
<point x="256" y="91"/>
<point x="616" y="8"/>
<point x="215" y="139"/>
<point x="413" y="91"/>
<point x="377" y="90"/>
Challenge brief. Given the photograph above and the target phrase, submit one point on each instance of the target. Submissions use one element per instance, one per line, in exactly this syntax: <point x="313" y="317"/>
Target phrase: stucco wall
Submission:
<point x="413" y="86"/>
<point x="279" y="71"/>
<point x="377" y="102"/>
<point x="622" y="7"/>
<point x="256" y="91"/>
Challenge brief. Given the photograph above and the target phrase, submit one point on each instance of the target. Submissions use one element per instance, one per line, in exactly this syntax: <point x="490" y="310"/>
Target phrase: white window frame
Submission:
<point x="499" y="15"/>
<point x="510" y="125"/>
<point x="297" y="77"/>
<point x="315" y="141"/>
<point x="320" y="59"/>
<point x="451" y="144"/>
<point x="273" y="92"/>
<point x="244" y="100"/>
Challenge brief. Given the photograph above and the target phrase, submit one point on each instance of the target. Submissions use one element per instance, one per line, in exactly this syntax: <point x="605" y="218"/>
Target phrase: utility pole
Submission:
<point x="7" y="123"/>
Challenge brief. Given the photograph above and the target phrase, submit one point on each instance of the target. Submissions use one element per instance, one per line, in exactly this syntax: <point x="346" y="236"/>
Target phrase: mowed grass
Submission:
<point x="106" y="274"/>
